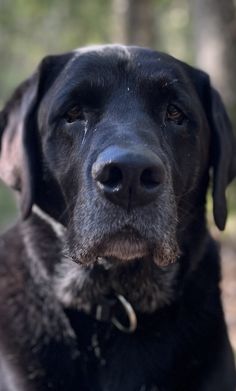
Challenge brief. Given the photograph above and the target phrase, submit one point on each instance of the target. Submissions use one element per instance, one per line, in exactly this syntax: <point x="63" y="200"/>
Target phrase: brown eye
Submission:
<point x="174" y="114"/>
<point x="74" y="114"/>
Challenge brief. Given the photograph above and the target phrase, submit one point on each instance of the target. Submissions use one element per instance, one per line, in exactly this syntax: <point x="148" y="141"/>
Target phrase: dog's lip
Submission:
<point x="125" y="246"/>
<point x="108" y="262"/>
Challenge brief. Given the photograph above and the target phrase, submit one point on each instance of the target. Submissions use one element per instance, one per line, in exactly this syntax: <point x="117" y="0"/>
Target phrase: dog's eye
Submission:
<point x="74" y="114"/>
<point x="175" y="114"/>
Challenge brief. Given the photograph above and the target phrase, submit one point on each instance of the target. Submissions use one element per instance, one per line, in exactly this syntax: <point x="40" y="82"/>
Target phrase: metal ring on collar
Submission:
<point x="130" y="314"/>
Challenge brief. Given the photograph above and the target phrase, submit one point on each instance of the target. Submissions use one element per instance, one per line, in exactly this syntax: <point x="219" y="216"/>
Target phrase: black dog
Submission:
<point x="111" y="281"/>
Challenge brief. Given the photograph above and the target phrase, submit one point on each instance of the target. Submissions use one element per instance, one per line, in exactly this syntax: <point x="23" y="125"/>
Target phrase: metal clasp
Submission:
<point x="130" y="314"/>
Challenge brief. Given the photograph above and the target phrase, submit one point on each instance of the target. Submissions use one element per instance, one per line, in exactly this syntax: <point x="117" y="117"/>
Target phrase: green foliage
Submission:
<point x="7" y="207"/>
<point x="174" y="28"/>
<point x="31" y="29"/>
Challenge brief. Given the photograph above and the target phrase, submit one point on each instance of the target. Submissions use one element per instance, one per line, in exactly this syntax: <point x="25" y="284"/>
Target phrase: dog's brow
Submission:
<point x="86" y="91"/>
<point x="95" y="81"/>
<point x="161" y="78"/>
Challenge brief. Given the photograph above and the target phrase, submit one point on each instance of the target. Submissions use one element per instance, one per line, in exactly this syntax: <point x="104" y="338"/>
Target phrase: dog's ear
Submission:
<point x="223" y="144"/>
<point x="223" y="153"/>
<point x="16" y="155"/>
<point x="18" y="131"/>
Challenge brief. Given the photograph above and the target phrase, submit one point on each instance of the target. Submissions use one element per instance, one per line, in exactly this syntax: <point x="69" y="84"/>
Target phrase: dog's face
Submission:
<point x="121" y="133"/>
<point x="116" y="143"/>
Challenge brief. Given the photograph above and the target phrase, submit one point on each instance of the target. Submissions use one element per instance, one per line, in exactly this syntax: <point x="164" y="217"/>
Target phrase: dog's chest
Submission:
<point x="121" y="362"/>
<point x="146" y="360"/>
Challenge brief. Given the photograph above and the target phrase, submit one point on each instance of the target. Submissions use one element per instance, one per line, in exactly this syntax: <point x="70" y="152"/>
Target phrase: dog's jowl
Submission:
<point x="110" y="279"/>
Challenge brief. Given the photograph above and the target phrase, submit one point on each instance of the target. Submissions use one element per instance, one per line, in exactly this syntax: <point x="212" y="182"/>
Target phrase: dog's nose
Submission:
<point x="129" y="178"/>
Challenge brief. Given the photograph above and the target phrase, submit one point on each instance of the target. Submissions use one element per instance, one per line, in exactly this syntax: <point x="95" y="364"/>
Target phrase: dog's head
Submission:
<point x="116" y="143"/>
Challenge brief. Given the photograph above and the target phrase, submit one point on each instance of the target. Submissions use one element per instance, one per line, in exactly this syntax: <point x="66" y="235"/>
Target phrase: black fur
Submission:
<point x="63" y="260"/>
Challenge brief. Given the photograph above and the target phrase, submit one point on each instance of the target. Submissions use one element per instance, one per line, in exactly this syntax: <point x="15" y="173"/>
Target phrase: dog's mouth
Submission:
<point x="126" y="246"/>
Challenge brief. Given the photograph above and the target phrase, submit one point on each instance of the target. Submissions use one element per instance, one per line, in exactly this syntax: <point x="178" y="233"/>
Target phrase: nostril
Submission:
<point x="113" y="178"/>
<point x="108" y="175"/>
<point x="149" y="178"/>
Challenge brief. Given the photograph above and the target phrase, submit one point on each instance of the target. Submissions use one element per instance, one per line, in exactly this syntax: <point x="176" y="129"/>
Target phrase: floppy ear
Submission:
<point x="223" y="156"/>
<point x="15" y="157"/>
<point x="223" y="143"/>
<point x="19" y="164"/>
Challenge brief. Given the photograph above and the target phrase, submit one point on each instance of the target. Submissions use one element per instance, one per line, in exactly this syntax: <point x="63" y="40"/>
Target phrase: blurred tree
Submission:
<point x="174" y="28"/>
<point x="31" y="29"/>
<point x="134" y="22"/>
<point x="119" y="21"/>
<point x="141" y="23"/>
<point x="214" y="37"/>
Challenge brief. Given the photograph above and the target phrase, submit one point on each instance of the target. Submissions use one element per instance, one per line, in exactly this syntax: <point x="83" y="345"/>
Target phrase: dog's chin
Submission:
<point x="125" y="263"/>
<point x="119" y="248"/>
<point x="124" y="249"/>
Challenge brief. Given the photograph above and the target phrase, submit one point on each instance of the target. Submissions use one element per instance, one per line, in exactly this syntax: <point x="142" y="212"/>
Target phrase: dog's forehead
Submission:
<point x="107" y="59"/>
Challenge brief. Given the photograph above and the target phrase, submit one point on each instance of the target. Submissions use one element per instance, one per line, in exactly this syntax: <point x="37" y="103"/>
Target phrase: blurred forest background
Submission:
<point x="201" y="32"/>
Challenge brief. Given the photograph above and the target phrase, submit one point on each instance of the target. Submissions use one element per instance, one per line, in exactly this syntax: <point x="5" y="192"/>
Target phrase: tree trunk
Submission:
<point x="214" y="30"/>
<point x="134" y="22"/>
